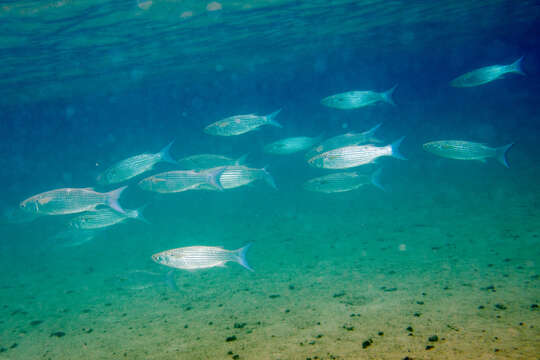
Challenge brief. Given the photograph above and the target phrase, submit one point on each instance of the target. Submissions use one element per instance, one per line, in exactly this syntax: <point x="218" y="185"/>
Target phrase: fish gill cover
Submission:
<point x="374" y="163"/>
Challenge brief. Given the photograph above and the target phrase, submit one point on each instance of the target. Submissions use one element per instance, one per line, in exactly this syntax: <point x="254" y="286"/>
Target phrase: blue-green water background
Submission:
<point x="66" y="142"/>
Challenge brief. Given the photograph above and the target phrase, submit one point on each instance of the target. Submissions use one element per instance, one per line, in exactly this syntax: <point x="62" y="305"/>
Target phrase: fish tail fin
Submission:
<point x="112" y="199"/>
<point x="376" y="179"/>
<point x="241" y="160"/>
<point x="270" y="118"/>
<point x="139" y="214"/>
<point x="387" y="95"/>
<point x="370" y="134"/>
<point x="165" y="154"/>
<point x="515" y="67"/>
<point x="213" y="177"/>
<point x="268" y="178"/>
<point x="395" y="149"/>
<point x="241" y="256"/>
<point x="500" y="154"/>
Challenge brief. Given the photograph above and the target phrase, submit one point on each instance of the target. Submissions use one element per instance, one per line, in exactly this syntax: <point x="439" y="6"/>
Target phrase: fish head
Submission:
<point x="161" y="258"/>
<point x="30" y="205"/>
<point x="431" y="146"/>
<point x="316" y="161"/>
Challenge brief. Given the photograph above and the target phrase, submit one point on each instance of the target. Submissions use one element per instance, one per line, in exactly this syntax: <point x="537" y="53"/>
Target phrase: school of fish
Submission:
<point x="93" y="211"/>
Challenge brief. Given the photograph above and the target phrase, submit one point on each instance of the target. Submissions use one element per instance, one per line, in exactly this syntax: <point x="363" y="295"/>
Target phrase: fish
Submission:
<point x="201" y="257"/>
<point x="241" y="124"/>
<point x="238" y="175"/>
<point x="355" y="155"/>
<point x="357" y="99"/>
<point x="208" y="161"/>
<point x="71" y="200"/>
<point x="467" y="150"/>
<point x="105" y="217"/>
<point x="291" y="145"/>
<point x="134" y="166"/>
<point x="342" y="182"/>
<point x="182" y="180"/>
<point x="75" y="237"/>
<point x="487" y="74"/>
<point x="351" y="138"/>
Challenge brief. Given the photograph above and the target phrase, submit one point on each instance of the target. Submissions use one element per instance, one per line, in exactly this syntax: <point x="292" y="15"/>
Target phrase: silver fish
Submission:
<point x="291" y="145"/>
<point x="366" y="137"/>
<point x="133" y="166"/>
<point x="342" y="182"/>
<point x="358" y="99"/>
<point x="239" y="175"/>
<point x="75" y="237"/>
<point x="487" y="74"/>
<point x="355" y="155"/>
<point x="102" y="218"/>
<point x="208" y="161"/>
<point x="182" y="180"/>
<point x="201" y="257"/>
<point x="71" y="201"/>
<point x="466" y="150"/>
<point x="241" y="124"/>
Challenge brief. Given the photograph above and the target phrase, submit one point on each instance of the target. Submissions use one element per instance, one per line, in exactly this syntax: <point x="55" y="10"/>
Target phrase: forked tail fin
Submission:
<point x="500" y="154"/>
<point x="241" y="256"/>
<point x="112" y="199"/>
<point x="165" y="154"/>
<point x="270" y="118"/>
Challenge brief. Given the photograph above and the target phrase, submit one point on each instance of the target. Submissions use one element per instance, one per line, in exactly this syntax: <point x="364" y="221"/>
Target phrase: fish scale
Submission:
<point x="173" y="181"/>
<point x="99" y="219"/>
<point x="351" y="156"/>
<point x="201" y="257"/>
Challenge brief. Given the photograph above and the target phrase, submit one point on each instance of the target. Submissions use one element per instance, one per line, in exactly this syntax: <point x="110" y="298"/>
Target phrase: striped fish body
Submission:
<point x="100" y="218"/>
<point x="238" y="175"/>
<point x="64" y="201"/>
<point x="460" y="150"/>
<point x="341" y="141"/>
<point x="236" y="125"/>
<point x="291" y="145"/>
<point x="128" y="168"/>
<point x="337" y="182"/>
<point x="349" y="156"/>
<point x="487" y="74"/>
<point x="352" y="99"/>
<point x="174" y="181"/>
<point x="200" y="257"/>
<point x="205" y="161"/>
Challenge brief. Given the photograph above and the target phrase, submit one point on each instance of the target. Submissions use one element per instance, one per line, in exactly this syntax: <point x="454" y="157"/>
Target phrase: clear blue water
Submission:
<point x="451" y="249"/>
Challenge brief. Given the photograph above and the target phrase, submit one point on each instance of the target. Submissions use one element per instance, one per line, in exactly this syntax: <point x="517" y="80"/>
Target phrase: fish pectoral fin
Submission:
<point x="44" y="200"/>
<point x="483" y="161"/>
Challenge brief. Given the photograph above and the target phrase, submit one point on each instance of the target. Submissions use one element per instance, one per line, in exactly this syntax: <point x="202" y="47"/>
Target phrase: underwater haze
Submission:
<point x="303" y="179"/>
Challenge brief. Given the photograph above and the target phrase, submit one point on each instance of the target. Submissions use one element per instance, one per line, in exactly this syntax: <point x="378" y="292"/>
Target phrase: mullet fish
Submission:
<point x="467" y="150"/>
<point x="355" y="155"/>
<point x="357" y="99"/>
<point x="241" y="124"/>
<point x="135" y="165"/>
<point x="487" y="74"/>
<point x="201" y="257"/>
<point x="71" y="201"/>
